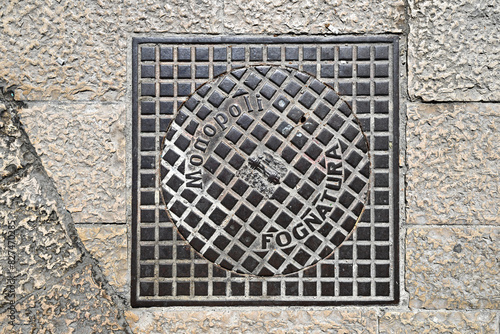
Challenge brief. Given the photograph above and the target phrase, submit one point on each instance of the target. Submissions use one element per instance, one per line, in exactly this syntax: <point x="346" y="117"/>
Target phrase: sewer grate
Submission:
<point x="249" y="171"/>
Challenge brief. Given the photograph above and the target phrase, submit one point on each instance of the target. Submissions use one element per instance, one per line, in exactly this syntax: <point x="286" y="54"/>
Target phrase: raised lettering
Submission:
<point x="283" y="239"/>
<point x="335" y="183"/>
<point x="235" y="110"/>
<point x="259" y="102"/>
<point x="333" y="168"/>
<point x="247" y="102"/>
<point x="209" y="130"/>
<point x="327" y="196"/>
<point x="196" y="160"/>
<point x="299" y="234"/>
<point x="221" y="119"/>
<point x="201" y="144"/>
<point x="193" y="179"/>
<point x="266" y="237"/>
<point x="323" y="210"/>
<point x="332" y="152"/>
<point x="313" y="220"/>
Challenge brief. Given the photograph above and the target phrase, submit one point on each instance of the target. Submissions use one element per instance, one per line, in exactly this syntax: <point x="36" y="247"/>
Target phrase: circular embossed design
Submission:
<point x="265" y="171"/>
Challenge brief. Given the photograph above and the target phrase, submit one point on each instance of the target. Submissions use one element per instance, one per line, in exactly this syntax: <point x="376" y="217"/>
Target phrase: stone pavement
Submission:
<point x="49" y="281"/>
<point x="65" y="170"/>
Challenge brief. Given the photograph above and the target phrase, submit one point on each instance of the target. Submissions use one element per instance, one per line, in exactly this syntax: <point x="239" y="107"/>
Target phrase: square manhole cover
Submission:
<point x="265" y="171"/>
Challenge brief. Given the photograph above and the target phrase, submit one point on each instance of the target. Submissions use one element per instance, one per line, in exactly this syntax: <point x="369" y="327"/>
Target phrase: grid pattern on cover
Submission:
<point x="167" y="271"/>
<point x="226" y="219"/>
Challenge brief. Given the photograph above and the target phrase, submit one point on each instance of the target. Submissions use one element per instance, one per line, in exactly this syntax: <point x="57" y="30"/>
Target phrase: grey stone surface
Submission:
<point x="108" y="245"/>
<point x="439" y="322"/>
<point x="42" y="246"/>
<point x="313" y="16"/>
<point x="253" y="321"/>
<point x="454" y="50"/>
<point x="76" y="304"/>
<point x="31" y="225"/>
<point x="48" y="281"/>
<point x="62" y="50"/>
<point x="77" y="51"/>
<point x="82" y="147"/>
<point x="453" y="158"/>
<point x="453" y="267"/>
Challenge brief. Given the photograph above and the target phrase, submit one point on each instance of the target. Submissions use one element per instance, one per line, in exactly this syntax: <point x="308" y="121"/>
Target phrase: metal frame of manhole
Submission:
<point x="265" y="170"/>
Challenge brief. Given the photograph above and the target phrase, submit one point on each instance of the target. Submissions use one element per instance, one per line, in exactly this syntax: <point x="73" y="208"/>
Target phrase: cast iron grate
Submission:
<point x="295" y="119"/>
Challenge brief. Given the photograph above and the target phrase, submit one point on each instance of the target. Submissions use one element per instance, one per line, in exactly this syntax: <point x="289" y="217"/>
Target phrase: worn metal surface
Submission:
<point x="265" y="171"/>
<point x="244" y="171"/>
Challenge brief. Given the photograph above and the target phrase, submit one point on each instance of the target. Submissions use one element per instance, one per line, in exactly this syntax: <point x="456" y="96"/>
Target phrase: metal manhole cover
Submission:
<point x="257" y="202"/>
<point x="265" y="170"/>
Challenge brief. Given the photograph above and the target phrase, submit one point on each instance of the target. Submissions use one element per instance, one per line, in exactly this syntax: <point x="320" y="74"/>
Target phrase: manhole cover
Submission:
<point x="252" y="182"/>
<point x="265" y="170"/>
